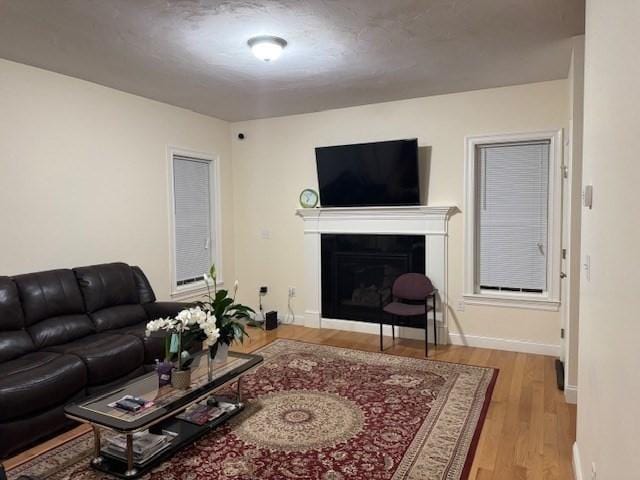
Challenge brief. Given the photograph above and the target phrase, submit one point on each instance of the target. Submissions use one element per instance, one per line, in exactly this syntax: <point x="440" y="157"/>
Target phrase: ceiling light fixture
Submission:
<point x="267" y="47"/>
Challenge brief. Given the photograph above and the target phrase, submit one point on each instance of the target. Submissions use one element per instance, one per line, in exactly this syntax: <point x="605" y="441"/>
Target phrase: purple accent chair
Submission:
<point x="410" y="296"/>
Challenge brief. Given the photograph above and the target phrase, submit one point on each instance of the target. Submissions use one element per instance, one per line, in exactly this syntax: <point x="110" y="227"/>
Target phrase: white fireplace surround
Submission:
<point x="430" y="221"/>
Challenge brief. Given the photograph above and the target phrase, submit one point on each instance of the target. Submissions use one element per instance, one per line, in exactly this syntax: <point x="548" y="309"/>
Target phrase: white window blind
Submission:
<point x="192" y="198"/>
<point x="512" y="212"/>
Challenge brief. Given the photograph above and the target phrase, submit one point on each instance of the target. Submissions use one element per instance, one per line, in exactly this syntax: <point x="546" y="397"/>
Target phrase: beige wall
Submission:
<point x="609" y="385"/>
<point x="276" y="161"/>
<point x="83" y="174"/>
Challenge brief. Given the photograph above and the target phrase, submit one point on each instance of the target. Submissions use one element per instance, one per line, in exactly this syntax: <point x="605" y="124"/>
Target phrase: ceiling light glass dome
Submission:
<point x="266" y="47"/>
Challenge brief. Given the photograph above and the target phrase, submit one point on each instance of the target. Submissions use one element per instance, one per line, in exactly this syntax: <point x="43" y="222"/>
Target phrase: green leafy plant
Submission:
<point x="227" y="312"/>
<point x="181" y="333"/>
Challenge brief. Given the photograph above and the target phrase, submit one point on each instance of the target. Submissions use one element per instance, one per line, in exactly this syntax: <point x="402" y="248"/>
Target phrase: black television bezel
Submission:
<point x="411" y="204"/>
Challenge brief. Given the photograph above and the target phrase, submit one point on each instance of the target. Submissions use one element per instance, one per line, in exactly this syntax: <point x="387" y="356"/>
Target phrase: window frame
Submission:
<point x="195" y="288"/>
<point x="549" y="299"/>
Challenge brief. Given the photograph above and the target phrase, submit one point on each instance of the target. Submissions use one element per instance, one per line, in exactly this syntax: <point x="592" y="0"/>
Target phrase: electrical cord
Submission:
<point x="291" y="316"/>
<point x="258" y="322"/>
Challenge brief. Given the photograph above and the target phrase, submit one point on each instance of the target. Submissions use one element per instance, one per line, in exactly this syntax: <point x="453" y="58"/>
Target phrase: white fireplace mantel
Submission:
<point x="430" y="221"/>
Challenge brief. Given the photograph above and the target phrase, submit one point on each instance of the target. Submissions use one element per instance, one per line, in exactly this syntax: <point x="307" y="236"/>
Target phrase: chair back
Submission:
<point x="412" y="286"/>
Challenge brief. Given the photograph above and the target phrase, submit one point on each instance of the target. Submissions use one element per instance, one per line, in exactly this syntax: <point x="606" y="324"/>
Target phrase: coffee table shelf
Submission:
<point x="186" y="433"/>
<point x="161" y="417"/>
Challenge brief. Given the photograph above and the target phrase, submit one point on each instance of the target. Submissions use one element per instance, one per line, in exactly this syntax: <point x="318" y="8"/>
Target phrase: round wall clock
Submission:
<point x="308" y="198"/>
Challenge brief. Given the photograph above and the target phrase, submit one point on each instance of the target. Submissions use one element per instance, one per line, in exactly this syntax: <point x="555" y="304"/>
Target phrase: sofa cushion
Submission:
<point x="11" y="317"/>
<point x="53" y="306"/>
<point x="38" y="381"/>
<point x="118" y="317"/>
<point x="59" y="330"/>
<point x="107" y="285"/>
<point x="14" y="343"/>
<point x="153" y="345"/>
<point x="49" y="294"/>
<point x="106" y="357"/>
<point x="14" y="340"/>
<point x="18" y="434"/>
<point x="145" y="292"/>
<point x="109" y="387"/>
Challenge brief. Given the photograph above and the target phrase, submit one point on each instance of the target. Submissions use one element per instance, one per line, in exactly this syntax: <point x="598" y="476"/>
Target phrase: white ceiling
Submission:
<point x="193" y="53"/>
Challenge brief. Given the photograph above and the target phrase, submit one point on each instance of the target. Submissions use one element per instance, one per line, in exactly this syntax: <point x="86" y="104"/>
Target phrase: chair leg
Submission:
<point x="393" y="331"/>
<point x="426" y="333"/>
<point x="381" y="335"/>
<point x="435" y="328"/>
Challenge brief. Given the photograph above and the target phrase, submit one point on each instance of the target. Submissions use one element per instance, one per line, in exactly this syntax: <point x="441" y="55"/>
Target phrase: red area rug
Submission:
<point x="326" y="413"/>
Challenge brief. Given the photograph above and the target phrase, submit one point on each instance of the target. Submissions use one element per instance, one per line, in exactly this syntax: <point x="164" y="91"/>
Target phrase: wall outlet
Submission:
<point x="460" y="305"/>
<point x="292" y="291"/>
<point x="265" y="234"/>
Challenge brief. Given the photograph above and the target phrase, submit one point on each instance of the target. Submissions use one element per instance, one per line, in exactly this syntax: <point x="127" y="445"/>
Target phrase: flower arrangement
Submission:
<point x="226" y="311"/>
<point x="213" y="322"/>
<point x="190" y="325"/>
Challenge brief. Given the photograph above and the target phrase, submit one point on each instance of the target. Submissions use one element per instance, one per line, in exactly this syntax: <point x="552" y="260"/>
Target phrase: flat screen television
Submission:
<point x="369" y="174"/>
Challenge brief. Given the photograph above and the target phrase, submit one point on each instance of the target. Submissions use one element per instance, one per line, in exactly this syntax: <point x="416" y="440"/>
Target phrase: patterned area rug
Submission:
<point x="326" y="413"/>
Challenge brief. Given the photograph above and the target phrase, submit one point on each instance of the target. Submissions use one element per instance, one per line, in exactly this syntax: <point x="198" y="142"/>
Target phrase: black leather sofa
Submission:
<point x="65" y="334"/>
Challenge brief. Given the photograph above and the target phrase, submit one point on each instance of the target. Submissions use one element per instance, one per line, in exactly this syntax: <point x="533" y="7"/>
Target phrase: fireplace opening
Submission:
<point x="358" y="271"/>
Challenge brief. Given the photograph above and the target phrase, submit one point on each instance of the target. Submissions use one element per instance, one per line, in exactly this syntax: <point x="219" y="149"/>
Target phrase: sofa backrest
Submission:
<point x="110" y="295"/>
<point x="145" y="292"/>
<point x="14" y="340"/>
<point x="53" y="307"/>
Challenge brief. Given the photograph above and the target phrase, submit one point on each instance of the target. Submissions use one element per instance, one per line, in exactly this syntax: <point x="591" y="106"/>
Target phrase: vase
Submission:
<point x="181" y="379"/>
<point x="164" y="373"/>
<point x="211" y="354"/>
<point x="222" y="354"/>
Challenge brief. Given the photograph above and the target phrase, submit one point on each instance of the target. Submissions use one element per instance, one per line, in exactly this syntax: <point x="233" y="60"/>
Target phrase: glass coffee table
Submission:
<point x="158" y="416"/>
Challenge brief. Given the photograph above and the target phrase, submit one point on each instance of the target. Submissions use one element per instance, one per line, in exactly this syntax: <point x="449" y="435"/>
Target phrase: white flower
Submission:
<point x="158" y="324"/>
<point x="184" y="316"/>
<point x="207" y="278"/>
<point x="207" y="322"/>
<point x="198" y="316"/>
<point x="212" y="333"/>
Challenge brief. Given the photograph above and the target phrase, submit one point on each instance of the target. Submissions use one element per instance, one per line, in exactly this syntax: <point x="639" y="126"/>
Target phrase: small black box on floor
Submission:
<point x="271" y="320"/>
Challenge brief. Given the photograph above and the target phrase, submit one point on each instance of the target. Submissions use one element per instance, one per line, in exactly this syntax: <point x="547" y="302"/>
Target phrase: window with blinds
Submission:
<point x="512" y="216"/>
<point x="193" y="220"/>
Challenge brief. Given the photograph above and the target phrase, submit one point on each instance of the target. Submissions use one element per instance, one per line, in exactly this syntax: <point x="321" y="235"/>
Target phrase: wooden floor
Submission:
<point x="529" y="430"/>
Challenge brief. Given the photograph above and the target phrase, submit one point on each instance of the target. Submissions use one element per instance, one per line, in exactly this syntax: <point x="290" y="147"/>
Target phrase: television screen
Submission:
<point x="369" y="174"/>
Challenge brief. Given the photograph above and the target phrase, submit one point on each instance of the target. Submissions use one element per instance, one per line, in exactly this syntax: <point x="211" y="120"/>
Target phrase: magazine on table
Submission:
<point x="131" y="404"/>
<point x="201" y="413"/>
<point x="145" y="445"/>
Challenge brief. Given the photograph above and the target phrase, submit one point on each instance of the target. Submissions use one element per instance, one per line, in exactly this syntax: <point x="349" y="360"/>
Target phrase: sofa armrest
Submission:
<point x="157" y="310"/>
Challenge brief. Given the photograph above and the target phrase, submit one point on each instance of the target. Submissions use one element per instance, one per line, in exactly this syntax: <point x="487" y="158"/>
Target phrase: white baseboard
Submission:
<point x="507" y="344"/>
<point x="374" y="328"/>
<point x="577" y="466"/>
<point x="571" y="394"/>
<point x="418" y="334"/>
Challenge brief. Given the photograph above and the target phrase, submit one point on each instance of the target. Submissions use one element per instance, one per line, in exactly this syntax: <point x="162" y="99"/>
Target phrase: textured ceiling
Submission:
<point x="193" y="53"/>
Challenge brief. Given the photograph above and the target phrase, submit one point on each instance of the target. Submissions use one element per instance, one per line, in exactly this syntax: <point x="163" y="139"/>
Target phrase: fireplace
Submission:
<point x="363" y="268"/>
<point x="358" y="271"/>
